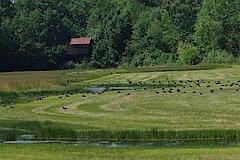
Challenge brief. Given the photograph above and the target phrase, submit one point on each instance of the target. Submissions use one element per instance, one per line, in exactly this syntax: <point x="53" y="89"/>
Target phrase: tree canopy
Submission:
<point x="35" y="33"/>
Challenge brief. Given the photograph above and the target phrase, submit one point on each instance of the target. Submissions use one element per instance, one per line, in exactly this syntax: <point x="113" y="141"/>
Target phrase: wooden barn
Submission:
<point x="80" y="49"/>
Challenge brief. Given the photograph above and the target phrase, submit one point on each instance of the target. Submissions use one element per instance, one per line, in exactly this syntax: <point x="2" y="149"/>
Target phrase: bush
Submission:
<point x="238" y="60"/>
<point x="188" y="54"/>
<point x="76" y="65"/>
<point x="153" y="58"/>
<point x="166" y="58"/>
<point x="218" y="57"/>
<point x="138" y="60"/>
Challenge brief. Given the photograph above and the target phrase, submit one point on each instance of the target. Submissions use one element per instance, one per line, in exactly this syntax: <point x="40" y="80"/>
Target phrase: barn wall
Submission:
<point x="79" y="49"/>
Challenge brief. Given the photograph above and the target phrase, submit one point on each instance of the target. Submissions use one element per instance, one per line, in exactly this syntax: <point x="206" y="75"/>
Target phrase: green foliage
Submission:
<point x="36" y="33"/>
<point x="217" y="26"/>
<point x="238" y="60"/>
<point x="6" y="9"/>
<point x="75" y="65"/>
<point x="110" y="28"/>
<point x="188" y="54"/>
<point x="153" y="59"/>
<point x="218" y="57"/>
<point x="154" y="30"/>
<point x="39" y="34"/>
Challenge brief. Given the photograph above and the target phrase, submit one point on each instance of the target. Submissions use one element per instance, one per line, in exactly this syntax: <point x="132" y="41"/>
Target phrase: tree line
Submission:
<point x="34" y="34"/>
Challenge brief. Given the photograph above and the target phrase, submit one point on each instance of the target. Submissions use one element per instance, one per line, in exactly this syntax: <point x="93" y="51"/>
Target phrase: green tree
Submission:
<point x="7" y="49"/>
<point x="153" y="31"/>
<point x="109" y="26"/>
<point x="39" y="29"/>
<point x="218" y="26"/>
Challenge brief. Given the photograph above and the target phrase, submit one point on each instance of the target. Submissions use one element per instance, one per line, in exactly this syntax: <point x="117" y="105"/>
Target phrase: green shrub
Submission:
<point x="138" y="60"/>
<point x="153" y="58"/>
<point x="76" y="65"/>
<point x="218" y="57"/>
<point x="166" y="58"/>
<point x="188" y="54"/>
<point x="238" y="60"/>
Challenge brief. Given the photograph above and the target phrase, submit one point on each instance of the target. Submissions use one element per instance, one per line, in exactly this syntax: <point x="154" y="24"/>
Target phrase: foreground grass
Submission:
<point x="70" y="152"/>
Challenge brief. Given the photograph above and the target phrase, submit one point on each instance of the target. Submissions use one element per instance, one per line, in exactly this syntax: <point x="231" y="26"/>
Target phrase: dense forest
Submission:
<point x="34" y="34"/>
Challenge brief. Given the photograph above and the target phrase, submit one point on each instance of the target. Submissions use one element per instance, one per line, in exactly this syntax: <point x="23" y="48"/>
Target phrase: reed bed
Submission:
<point x="7" y="135"/>
<point x="158" y="135"/>
<point x="45" y="130"/>
<point x="58" y="133"/>
<point x="55" y="133"/>
<point x="48" y="130"/>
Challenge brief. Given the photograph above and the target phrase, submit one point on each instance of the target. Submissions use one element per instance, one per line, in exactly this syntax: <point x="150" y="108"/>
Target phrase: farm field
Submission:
<point x="168" y="103"/>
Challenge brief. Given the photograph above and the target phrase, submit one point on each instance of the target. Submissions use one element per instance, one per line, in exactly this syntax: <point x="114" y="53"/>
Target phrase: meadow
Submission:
<point x="72" y="152"/>
<point x="160" y="103"/>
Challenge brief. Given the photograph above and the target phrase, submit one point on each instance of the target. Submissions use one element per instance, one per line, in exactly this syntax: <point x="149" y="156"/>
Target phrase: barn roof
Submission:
<point x="82" y="40"/>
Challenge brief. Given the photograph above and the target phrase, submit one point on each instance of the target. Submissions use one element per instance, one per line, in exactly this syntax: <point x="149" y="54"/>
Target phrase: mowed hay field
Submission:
<point x="202" y="103"/>
<point x="139" y="110"/>
<point x="143" y="108"/>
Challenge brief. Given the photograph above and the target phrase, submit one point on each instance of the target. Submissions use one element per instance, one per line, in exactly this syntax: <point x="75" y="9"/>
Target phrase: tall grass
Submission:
<point x="157" y="135"/>
<point x="45" y="130"/>
<point x="48" y="130"/>
<point x="8" y="135"/>
<point x="55" y="133"/>
<point x="23" y="85"/>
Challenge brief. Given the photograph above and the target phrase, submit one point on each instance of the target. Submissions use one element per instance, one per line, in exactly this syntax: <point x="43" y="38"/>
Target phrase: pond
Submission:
<point x="103" y="89"/>
<point x="96" y="89"/>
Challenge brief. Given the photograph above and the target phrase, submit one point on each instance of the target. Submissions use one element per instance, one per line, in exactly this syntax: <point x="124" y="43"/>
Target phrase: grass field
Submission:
<point x="171" y="102"/>
<point x="73" y="152"/>
<point x="142" y="109"/>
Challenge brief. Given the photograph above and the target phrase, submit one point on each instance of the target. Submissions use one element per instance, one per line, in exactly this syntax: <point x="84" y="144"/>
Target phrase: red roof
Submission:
<point x="83" y="40"/>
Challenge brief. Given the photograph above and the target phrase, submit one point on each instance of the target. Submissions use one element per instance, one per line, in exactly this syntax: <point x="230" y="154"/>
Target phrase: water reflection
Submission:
<point x="155" y="144"/>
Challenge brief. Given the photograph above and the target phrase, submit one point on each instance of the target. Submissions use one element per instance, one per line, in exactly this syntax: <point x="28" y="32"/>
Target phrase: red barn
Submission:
<point x="80" y="49"/>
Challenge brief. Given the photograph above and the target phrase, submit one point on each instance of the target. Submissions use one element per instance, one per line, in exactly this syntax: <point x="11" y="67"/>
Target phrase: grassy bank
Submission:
<point x="64" y="151"/>
<point x="56" y="131"/>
